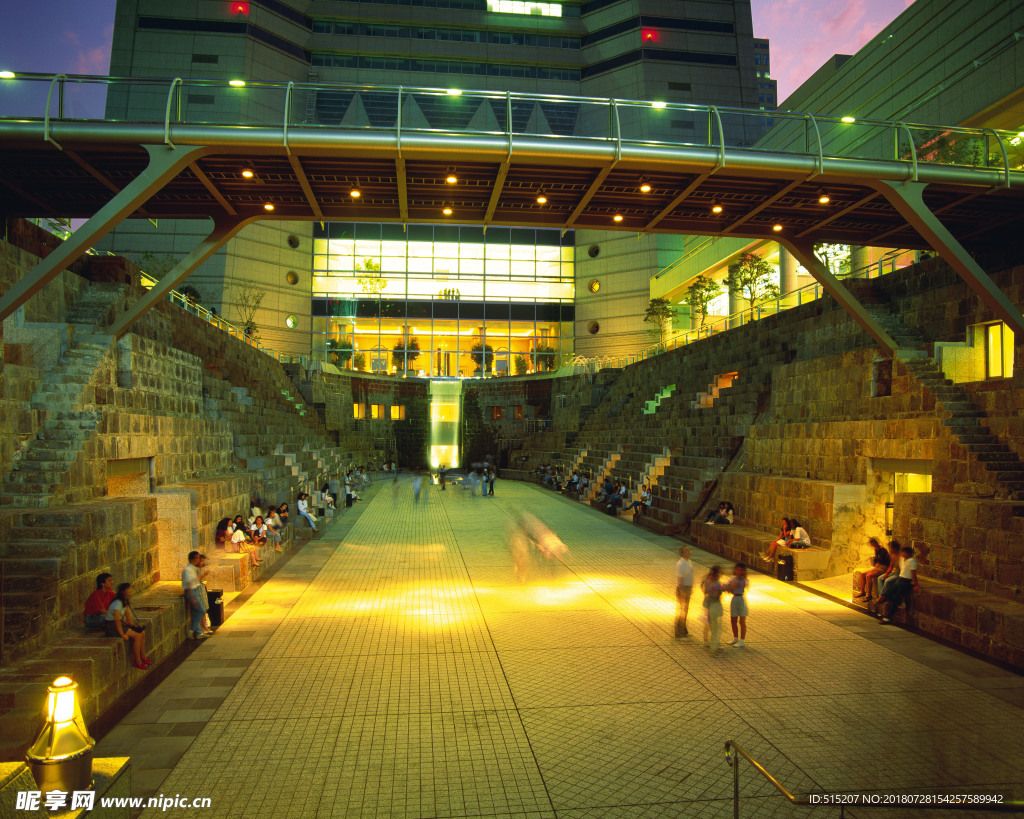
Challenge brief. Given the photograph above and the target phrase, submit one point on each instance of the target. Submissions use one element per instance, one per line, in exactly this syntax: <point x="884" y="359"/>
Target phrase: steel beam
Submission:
<point x="224" y="227"/>
<point x="307" y="189"/>
<point x="908" y="199"/>
<point x="164" y="164"/>
<point x="804" y="252"/>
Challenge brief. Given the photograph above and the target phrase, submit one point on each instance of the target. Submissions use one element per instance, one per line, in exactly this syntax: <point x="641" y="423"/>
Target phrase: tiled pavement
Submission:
<point x="404" y="671"/>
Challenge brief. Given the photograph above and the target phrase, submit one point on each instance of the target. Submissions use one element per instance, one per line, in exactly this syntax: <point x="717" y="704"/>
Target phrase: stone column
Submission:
<point x="860" y="257"/>
<point x="736" y="304"/>
<point x="787" y="272"/>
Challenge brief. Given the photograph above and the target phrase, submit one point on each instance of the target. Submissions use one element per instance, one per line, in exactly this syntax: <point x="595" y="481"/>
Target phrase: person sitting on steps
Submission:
<point x="639" y="507"/>
<point x="724" y="514"/>
<point x="769" y="553"/>
<point x="879" y="564"/>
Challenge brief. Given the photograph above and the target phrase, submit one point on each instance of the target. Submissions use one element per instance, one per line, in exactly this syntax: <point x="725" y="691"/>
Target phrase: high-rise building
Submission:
<point x="538" y="294"/>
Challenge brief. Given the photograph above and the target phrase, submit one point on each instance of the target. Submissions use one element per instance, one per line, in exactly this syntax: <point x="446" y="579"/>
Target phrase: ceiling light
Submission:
<point x="355" y="193"/>
<point x="236" y="83"/>
<point x="716" y="208"/>
<point x="6" y="75"/>
<point x="645" y="186"/>
<point x="848" y="119"/>
<point x="268" y="206"/>
<point x="777" y="228"/>
<point x="451" y="179"/>
<point x="447" y="211"/>
<point x="823" y="198"/>
<point x="248" y="173"/>
<point x="617" y="217"/>
<point x="541" y="198"/>
<point x="658" y="104"/>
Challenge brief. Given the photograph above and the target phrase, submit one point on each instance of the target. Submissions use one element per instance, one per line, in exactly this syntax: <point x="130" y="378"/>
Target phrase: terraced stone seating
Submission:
<point x="232" y="570"/>
<point x="745" y="544"/>
<point x="101" y="665"/>
<point x="973" y="619"/>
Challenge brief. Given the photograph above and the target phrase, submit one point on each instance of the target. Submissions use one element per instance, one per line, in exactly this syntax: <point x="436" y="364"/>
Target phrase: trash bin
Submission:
<point x="348" y="500"/>
<point x="784" y="568"/>
<point x="216" y="611"/>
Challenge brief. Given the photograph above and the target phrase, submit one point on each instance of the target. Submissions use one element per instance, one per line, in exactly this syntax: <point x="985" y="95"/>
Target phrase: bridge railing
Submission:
<point x="404" y="110"/>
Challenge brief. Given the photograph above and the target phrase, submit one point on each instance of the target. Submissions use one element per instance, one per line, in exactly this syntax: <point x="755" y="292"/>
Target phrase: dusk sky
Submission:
<point x="72" y="36"/>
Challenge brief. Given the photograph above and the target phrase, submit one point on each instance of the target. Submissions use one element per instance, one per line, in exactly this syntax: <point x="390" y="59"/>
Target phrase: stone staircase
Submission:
<point x="651" y="407"/>
<point x="94" y="307"/>
<point x="964" y="418"/>
<point x="44" y="475"/>
<point x="706" y="400"/>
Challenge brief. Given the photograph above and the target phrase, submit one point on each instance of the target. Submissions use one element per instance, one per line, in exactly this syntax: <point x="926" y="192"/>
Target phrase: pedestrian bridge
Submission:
<point x="320" y="151"/>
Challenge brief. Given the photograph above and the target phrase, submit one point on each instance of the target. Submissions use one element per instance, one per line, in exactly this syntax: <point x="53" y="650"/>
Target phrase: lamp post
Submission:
<point x="61" y="756"/>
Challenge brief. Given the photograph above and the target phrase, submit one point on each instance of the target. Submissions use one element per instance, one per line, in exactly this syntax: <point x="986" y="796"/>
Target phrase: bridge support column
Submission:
<point x="908" y="199"/>
<point x="164" y="165"/>
<point x="804" y="252"/>
<point x="224" y="227"/>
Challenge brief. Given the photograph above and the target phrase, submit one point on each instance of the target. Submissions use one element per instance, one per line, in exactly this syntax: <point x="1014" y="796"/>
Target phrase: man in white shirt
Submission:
<point x="190" y="584"/>
<point x="907" y="582"/>
<point x="684" y="586"/>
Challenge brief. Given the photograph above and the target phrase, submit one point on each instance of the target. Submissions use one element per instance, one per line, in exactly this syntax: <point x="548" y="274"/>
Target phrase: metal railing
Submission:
<point x="733" y="752"/>
<point x="894" y="260"/>
<point x="51" y="98"/>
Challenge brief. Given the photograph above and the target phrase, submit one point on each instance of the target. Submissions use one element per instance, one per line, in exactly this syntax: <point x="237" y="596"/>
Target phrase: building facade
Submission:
<point x="699" y="51"/>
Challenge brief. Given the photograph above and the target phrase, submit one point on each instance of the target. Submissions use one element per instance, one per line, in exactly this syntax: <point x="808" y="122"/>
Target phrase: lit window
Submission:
<point x="397" y="412"/>
<point x="359" y="411"/>
<point x="998" y="351"/>
<point x="525" y="7"/>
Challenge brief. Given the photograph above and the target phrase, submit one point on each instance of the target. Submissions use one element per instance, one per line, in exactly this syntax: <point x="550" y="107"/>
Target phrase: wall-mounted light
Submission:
<point x="6" y="75"/>
<point x="454" y="92"/>
<point x="848" y="119"/>
<point x="236" y="83"/>
<point x="658" y="104"/>
<point x="888" y="518"/>
<point x="61" y="757"/>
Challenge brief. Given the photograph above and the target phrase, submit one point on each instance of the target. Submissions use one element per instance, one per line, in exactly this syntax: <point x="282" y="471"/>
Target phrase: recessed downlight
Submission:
<point x="268" y="206"/>
<point x="617" y="217"/>
<point x="541" y="198"/>
<point x="777" y="228"/>
<point x="355" y="193"/>
<point x="451" y="179"/>
<point x="823" y="198"/>
<point x="447" y="211"/>
<point x="248" y="173"/>
<point x="716" y="208"/>
<point x="645" y="186"/>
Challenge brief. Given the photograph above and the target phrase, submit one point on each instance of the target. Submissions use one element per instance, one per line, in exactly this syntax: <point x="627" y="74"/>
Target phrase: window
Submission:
<point x="998" y="351"/>
<point x="378" y="411"/>
<point x="497" y="413"/>
<point x="397" y="412"/>
<point x="359" y="411"/>
<point x="518" y="412"/>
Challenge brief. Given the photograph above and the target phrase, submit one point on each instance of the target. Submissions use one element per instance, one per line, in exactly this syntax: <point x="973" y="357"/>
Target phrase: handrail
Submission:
<point x="175" y="83"/>
<point x="733" y="751"/>
<point x="60" y="109"/>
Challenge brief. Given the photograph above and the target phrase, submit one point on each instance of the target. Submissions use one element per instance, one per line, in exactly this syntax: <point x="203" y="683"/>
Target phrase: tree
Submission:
<point x="699" y="296"/>
<point x="750" y="278"/>
<point x="545" y="357"/>
<point x="482" y="355"/>
<point x="373" y="283"/>
<point x="191" y="295"/>
<point x="660" y="313"/>
<point x="248" y="300"/>
<point x="359" y="361"/>
<point x="405" y="353"/>
<point x="519" y="364"/>
<point x="340" y="350"/>
<point x="835" y="257"/>
<point x="157" y="265"/>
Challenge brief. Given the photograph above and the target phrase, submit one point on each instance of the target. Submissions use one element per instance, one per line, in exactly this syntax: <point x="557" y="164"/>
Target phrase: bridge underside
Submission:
<point x="107" y="172"/>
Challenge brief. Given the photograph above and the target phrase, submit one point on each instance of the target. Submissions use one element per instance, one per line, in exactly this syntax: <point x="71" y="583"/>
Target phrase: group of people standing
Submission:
<point x="713" y="585"/>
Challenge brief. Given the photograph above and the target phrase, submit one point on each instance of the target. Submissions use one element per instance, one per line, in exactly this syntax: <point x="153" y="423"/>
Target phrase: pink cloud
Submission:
<point x="88" y="58"/>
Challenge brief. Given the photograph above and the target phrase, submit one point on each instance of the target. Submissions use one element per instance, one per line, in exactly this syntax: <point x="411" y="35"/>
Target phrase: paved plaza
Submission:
<point x="398" y="667"/>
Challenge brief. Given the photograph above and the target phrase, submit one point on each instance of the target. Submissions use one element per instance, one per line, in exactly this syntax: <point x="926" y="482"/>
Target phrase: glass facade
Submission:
<point x="442" y="300"/>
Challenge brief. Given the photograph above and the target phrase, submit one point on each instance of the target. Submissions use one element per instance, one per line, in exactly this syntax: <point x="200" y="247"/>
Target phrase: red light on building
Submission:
<point x="649" y="35"/>
<point x="240" y="8"/>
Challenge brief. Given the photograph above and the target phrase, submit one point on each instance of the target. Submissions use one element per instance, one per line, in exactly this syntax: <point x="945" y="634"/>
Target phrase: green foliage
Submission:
<point x="373" y="283"/>
<point x="751" y="279"/>
<point x="359" y="361"/>
<point x="191" y="295"/>
<point x="659" y="314"/>
<point x="339" y="351"/>
<point x="699" y="295"/>
<point x="405" y="352"/>
<point x="482" y="355"/>
<point x="519" y="364"/>
<point x="156" y="265"/>
<point x="545" y="357"/>
<point x="835" y="257"/>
